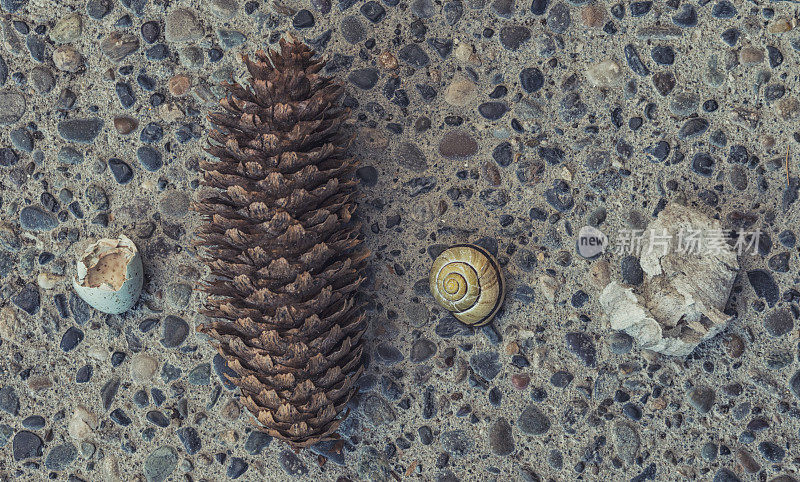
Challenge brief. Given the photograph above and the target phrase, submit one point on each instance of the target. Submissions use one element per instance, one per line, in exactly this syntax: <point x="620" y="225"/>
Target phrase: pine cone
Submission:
<point x="282" y="246"/>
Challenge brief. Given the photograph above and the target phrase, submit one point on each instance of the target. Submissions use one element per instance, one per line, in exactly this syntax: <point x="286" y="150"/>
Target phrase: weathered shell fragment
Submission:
<point x="109" y="276"/>
<point x="681" y="301"/>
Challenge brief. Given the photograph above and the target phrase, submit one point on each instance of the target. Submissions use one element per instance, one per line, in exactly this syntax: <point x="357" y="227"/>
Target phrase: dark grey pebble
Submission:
<point x="125" y="94"/>
<point x="493" y="110"/>
<point x="71" y="338"/>
<point x="70" y="156"/>
<point x="772" y="452"/>
<point x="60" y="457"/>
<point x="80" y="130"/>
<point x="702" y="398"/>
<point x="538" y="7"/>
<point x="119" y="417"/>
<point x="108" y="392"/>
<point x="137" y="7"/>
<point x="160" y="464"/>
<point x="635" y="62"/>
<point x="453" y="11"/>
<point x="34" y="218"/>
<point x="449" y="327"/>
<point x="640" y="8"/>
<point x="513" y="36"/>
<point x="703" y="164"/>
<point x="723" y="9"/>
<point x="501" y="438"/>
<point x="150" y="158"/>
<point x="561" y="379"/>
<point x="531" y="79"/>
<point x="559" y="197"/>
<point x="223" y="371"/>
<point x="170" y="372"/>
<point x="632" y="272"/>
<point x="388" y="354"/>
<point x="26" y="445"/>
<point x="663" y="55"/>
<point x="237" y="467"/>
<point x="190" y="439"/>
<point x="373" y="11"/>
<point x="256" y="442"/>
<point x="352" y="29"/>
<point x="84" y="374"/>
<point x="443" y="47"/>
<point x="364" y="78"/>
<point x="726" y="475"/>
<point x="422" y="350"/>
<point x="121" y="171"/>
<point x="151" y="133"/>
<point x="157" y="418"/>
<point x="693" y="128"/>
<point x="21" y="139"/>
<point x="156" y="52"/>
<point x="486" y="364"/>
<point x="779" y="322"/>
<point x="233" y="38"/>
<point x="9" y="402"/>
<point x="571" y="107"/>
<point x="558" y="19"/>
<point x="11" y="6"/>
<point x="3" y="71"/>
<point x="794" y="384"/>
<point x="582" y="346"/>
<point x="150" y="31"/>
<point x="413" y="55"/>
<point x="98" y="9"/>
<point x="620" y="342"/>
<point x="764" y="285"/>
<point x="686" y="17"/>
<point x="8" y="157"/>
<point x="81" y="311"/>
<point x="533" y="422"/>
<point x="291" y="463"/>
<point x="730" y="36"/>
<point x="27" y="299"/>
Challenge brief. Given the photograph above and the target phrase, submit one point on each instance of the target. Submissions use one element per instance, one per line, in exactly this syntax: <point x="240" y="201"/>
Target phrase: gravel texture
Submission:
<point x="502" y="123"/>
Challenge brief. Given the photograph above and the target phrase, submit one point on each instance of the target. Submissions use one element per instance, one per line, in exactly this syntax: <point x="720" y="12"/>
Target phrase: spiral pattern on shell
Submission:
<point x="467" y="281"/>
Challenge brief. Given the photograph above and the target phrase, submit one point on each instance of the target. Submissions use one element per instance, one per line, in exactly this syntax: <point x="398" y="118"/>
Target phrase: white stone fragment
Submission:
<point x="681" y="301"/>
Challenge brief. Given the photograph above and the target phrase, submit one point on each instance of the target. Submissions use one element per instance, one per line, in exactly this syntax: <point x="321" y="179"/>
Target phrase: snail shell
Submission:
<point x="467" y="281"/>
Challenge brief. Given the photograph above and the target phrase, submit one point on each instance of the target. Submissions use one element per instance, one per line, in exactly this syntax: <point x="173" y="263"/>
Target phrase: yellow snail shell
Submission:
<point x="467" y="281"/>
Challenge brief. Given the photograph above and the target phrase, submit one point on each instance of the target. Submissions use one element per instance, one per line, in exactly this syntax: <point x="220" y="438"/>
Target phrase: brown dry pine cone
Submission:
<point x="282" y="246"/>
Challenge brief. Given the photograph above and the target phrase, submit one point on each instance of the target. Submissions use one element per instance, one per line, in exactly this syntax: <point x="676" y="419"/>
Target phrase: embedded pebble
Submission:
<point x="182" y="25"/>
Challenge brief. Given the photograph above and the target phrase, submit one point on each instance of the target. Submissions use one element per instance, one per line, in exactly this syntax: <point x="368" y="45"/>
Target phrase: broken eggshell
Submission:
<point x="109" y="275"/>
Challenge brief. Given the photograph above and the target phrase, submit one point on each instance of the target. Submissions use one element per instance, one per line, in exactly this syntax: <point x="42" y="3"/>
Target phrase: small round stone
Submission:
<point x="143" y="368"/>
<point x="67" y="59"/>
<point x="182" y="26"/>
<point x="175" y="331"/>
<point x="533" y="422"/>
<point x="501" y="439"/>
<point x="179" y="85"/>
<point x="150" y="158"/>
<point x="26" y="445"/>
<point x="779" y="322"/>
<point x="80" y="130"/>
<point x="12" y="107"/>
<point x="701" y="398"/>
<point x="160" y="464"/>
<point x="620" y="342"/>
